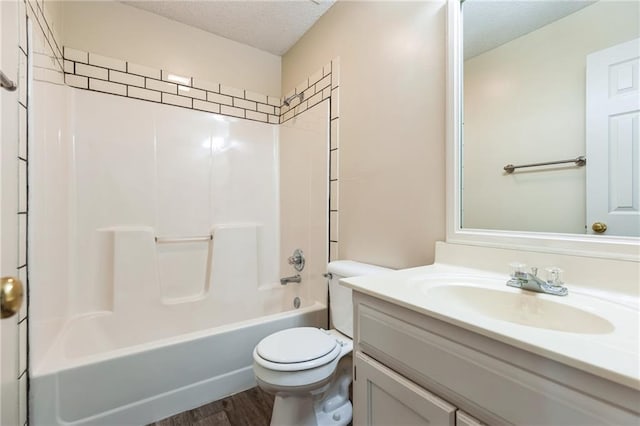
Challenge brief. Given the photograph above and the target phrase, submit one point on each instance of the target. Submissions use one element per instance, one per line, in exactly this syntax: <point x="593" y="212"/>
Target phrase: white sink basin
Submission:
<point x="584" y="329"/>
<point x="520" y="307"/>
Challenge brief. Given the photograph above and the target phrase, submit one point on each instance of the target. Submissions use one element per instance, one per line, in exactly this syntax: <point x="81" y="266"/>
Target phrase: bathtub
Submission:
<point x="148" y="292"/>
<point x="83" y="384"/>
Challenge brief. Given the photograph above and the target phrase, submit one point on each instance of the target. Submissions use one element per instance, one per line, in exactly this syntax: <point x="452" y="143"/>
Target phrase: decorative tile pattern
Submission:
<point x="87" y="70"/>
<point x="23" y="156"/>
<point x="314" y="90"/>
<point x="333" y="92"/>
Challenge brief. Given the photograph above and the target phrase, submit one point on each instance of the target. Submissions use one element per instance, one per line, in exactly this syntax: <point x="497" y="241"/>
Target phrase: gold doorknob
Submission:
<point x="11" y="295"/>
<point x="599" y="227"/>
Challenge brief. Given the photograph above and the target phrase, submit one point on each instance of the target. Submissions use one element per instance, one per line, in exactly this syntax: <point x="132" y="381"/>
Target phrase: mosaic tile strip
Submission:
<point x="90" y="71"/>
<point x="311" y="91"/>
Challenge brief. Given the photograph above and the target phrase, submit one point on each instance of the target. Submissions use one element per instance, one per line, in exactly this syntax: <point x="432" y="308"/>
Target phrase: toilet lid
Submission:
<point x="296" y="345"/>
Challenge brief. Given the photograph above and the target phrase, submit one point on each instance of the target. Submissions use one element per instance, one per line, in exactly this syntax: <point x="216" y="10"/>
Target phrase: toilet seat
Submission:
<point x="297" y="349"/>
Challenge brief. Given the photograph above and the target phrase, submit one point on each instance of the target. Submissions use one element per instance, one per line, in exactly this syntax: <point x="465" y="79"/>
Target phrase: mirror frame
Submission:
<point x="612" y="247"/>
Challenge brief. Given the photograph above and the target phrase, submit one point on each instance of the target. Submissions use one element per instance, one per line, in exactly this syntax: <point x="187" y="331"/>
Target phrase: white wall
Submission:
<point x="392" y="124"/>
<point x="304" y="147"/>
<point x="53" y="12"/>
<point x="124" y="32"/>
<point x="180" y="172"/>
<point x="524" y="103"/>
<point x="50" y="170"/>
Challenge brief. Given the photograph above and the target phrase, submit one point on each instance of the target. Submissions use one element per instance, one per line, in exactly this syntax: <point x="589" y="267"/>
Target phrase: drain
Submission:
<point x="296" y="302"/>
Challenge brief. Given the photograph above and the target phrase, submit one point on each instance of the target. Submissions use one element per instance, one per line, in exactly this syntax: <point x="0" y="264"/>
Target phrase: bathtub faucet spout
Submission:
<point x="294" y="279"/>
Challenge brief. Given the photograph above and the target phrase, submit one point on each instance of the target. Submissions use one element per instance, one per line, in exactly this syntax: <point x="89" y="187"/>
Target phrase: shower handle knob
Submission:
<point x="297" y="260"/>
<point x="11" y="296"/>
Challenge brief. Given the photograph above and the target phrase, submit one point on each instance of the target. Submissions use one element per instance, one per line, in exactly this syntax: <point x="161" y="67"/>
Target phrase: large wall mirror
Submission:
<point x="549" y="81"/>
<point x="524" y="96"/>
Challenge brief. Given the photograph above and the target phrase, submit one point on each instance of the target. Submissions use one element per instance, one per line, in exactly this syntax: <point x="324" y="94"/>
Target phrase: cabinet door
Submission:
<point x="463" y="419"/>
<point x="383" y="397"/>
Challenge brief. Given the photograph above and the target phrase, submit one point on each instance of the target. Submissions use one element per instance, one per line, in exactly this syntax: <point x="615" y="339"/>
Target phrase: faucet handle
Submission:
<point x="517" y="269"/>
<point x="554" y="275"/>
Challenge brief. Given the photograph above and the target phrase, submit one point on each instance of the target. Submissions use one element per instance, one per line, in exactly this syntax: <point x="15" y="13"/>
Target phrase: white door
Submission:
<point x="9" y="412"/>
<point x="613" y="152"/>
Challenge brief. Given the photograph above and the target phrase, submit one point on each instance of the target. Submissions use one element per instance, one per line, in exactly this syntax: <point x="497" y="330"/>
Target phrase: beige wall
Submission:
<point x="525" y="103"/>
<point x="392" y="124"/>
<point x="53" y="11"/>
<point x="121" y="31"/>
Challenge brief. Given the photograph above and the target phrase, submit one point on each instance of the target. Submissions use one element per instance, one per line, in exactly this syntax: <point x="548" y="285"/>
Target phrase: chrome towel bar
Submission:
<point x="578" y="161"/>
<point x="5" y="83"/>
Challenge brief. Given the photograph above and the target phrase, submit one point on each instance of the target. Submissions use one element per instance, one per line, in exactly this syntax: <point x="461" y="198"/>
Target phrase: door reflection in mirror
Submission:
<point x="525" y="101"/>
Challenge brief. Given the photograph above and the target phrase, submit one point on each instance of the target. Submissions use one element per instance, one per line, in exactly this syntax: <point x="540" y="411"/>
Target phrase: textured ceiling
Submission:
<point x="490" y="23"/>
<point x="273" y="26"/>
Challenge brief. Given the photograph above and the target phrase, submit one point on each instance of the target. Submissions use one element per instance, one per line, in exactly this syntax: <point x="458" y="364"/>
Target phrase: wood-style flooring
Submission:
<point x="249" y="408"/>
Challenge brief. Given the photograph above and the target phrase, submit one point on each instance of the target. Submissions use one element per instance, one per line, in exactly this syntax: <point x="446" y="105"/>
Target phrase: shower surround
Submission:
<point x="157" y="235"/>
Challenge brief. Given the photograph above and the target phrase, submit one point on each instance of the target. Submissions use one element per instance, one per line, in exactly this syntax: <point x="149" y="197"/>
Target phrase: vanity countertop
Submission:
<point x="599" y="335"/>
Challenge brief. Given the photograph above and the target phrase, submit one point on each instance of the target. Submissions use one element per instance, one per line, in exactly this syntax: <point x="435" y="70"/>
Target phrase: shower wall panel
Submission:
<point x="112" y="174"/>
<point x="180" y="172"/>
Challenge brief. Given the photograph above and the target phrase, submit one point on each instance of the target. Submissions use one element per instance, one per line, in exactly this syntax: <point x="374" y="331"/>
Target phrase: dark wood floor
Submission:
<point x="250" y="408"/>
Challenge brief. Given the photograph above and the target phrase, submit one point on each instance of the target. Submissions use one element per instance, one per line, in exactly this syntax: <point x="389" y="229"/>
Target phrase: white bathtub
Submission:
<point x="144" y="383"/>
<point x="128" y="322"/>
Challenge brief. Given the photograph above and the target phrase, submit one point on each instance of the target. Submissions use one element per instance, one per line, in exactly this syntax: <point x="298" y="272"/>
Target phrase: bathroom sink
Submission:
<point x="589" y="329"/>
<point x="519" y="307"/>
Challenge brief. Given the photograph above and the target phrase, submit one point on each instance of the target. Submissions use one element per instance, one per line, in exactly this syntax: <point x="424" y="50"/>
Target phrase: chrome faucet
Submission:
<point x="293" y="279"/>
<point x="530" y="281"/>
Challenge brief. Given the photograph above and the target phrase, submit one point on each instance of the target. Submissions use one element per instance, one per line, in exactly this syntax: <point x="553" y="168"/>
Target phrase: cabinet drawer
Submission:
<point x="383" y="397"/>
<point x="504" y="392"/>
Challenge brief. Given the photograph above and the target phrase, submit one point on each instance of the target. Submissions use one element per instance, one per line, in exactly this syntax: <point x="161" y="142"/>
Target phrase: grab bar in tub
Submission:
<point x="6" y="83"/>
<point x="165" y="240"/>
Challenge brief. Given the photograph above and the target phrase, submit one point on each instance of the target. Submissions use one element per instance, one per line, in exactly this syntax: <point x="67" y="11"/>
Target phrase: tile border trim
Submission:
<point x="98" y="73"/>
<point x="90" y="71"/>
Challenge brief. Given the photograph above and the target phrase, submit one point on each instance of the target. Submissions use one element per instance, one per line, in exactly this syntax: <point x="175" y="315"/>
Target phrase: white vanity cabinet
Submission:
<point x="412" y="369"/>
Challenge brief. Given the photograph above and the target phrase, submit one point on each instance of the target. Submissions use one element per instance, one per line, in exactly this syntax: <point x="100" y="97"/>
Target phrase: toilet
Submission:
<point x="309" y="369"/>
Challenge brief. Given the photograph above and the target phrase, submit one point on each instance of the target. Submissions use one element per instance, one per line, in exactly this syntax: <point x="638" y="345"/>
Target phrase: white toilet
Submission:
<point x="309" y="369"/>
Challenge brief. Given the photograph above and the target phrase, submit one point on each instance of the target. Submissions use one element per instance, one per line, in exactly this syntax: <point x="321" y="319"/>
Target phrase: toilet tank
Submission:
<point x="340" y="302"/>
